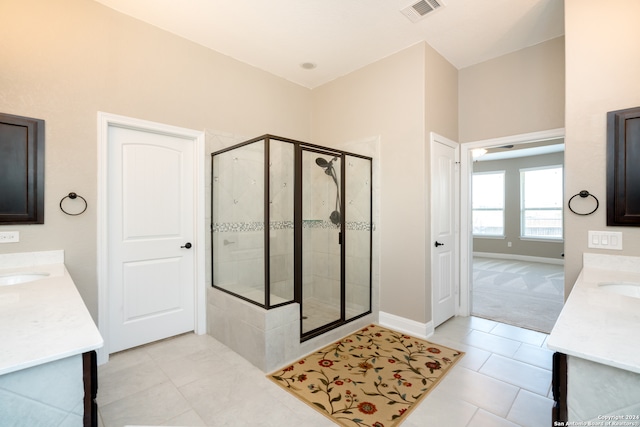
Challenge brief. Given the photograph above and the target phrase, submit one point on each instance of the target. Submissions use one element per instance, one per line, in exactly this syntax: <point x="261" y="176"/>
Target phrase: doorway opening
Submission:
<point x="514" y="267"/>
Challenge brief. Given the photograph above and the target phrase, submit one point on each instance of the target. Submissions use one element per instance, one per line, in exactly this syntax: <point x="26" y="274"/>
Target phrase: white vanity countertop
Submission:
<point x="43" y="320"/>
<point x="596" y="324"/>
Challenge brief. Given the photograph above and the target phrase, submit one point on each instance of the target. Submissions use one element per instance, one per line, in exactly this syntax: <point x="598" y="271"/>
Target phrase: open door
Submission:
<point x="444" y="228"/>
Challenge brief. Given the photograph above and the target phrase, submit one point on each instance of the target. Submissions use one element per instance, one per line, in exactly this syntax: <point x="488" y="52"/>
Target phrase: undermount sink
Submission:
<point x="17" y="278"/>
<point x="630" y="289"/>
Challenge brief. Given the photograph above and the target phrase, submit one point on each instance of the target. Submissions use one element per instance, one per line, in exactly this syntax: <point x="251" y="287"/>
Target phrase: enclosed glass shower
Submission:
<point x="292" y="222"/>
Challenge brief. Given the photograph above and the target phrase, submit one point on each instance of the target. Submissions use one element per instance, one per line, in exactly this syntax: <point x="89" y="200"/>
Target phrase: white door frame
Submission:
<point x="104" y="121"/>
<point x="466" y="236"/>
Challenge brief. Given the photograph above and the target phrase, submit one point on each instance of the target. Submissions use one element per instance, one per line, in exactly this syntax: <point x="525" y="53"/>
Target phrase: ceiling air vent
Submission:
<point x="419" y="10"/>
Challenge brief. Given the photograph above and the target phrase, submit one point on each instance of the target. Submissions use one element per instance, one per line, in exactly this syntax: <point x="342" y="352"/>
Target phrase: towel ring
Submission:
<point x="584" y="194"/>
<point x="73" y="196"/>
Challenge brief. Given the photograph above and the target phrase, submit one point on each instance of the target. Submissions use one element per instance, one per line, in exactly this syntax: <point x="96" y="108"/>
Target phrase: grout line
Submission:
<point x="485" y="361"/>
<point x="493" y="329"/>
<point x="472" y="416"/>
<point x="513" y="403"/>
<point x="516" y="352"/>
<point x="190" y="404"/>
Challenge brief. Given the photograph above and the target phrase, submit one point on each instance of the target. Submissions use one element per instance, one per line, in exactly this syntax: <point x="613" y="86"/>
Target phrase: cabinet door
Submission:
<point x="21" y="170"/>
<point x="559" y="388"/>
<point x="90" y="377"/>
<point x="623" y="173"/>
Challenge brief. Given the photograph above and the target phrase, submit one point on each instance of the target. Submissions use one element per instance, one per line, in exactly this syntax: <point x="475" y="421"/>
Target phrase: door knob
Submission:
<point x="187" y="245"/>
<point x="438" y="244"/>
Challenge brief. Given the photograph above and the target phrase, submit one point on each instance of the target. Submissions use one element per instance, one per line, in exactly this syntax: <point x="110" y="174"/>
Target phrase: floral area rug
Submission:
<point x="371" y="378"/>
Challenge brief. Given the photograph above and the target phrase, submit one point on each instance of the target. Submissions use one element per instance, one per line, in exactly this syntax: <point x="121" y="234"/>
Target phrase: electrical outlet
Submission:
<point x="9" y="236"/>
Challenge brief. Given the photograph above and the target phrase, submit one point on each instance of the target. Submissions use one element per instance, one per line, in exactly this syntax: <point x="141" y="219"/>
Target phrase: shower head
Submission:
<point x="335" y="216"/>
<point x="323" y="163"/>
<point x="328" y="166"/>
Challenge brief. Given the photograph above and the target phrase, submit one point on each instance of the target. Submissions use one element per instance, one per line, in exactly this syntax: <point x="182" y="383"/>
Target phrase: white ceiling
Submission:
<point x="341" y="36"/>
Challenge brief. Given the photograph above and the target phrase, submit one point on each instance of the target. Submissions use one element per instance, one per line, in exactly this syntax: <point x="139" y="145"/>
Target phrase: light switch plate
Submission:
<point x="605" y="240"/>
<point x="9" y="236"/>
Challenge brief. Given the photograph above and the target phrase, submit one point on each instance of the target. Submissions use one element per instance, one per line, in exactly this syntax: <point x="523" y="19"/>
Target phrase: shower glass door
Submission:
<point x="357" y="241"/>
<point x="322" y="221"/>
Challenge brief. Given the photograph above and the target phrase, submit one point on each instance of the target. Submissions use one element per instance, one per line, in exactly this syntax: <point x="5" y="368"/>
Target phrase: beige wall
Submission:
<point x="392" y="99"/>
<point x="526" y="247"/>
<point x="603" y="65"/>
<point x="441" y="117"/>
<point x="441" y="95"/>
<point x="517" y="93"/>
<point x="66" y="60"/>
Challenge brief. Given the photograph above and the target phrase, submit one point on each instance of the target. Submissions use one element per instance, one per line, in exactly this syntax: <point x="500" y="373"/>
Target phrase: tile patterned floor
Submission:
<point x="504" y="380"/>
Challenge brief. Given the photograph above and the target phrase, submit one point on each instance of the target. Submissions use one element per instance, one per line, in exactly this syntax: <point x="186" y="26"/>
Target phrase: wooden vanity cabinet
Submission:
<point x="623" y="173"/>
<point x="559" y="389"/>
<point x="21" y="170"/>
<point x="90" y="377"/>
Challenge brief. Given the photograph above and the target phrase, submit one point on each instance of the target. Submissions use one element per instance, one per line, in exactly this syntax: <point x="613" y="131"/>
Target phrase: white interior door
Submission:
<point x="151" y="268"/>
<point x="444" y="228"/>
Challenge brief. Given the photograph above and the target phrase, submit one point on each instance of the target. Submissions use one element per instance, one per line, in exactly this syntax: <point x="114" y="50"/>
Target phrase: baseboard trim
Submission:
<point x="520" y="257"/>
<point x="402" y="324"/>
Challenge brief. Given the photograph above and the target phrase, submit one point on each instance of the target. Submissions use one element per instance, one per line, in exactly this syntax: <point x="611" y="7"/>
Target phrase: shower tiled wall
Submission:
<point x="242" y="257"/>
<point x="238" y="220"/>
<point x="358" y="246"/>
<point x="358" y="238"/>
<point x="239" y="239"/>
<point x="281" y="209"/>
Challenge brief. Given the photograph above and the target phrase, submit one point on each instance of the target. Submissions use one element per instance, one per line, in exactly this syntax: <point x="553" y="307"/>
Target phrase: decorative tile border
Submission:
<point x="318" y="223"/>
<point x="236" y="227"/>
<point x="350" y="225"/>
<point x="239" y="227"/>
<point x="281" y="225"/>
<point x="358" y="225"/>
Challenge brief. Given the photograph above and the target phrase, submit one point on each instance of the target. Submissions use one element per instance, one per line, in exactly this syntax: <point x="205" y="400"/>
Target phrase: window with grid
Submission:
<point x="541" y="202"/>
<point x="487" y="203"/>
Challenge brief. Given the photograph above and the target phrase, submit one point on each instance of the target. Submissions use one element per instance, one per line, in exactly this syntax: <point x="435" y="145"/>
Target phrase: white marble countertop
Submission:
<point x="43" y="320"/>
<point x="597" y="324"/>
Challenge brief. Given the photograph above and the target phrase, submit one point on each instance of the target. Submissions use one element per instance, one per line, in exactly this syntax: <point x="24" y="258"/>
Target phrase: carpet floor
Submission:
<point x="520" y="293"/>
<point x="373" y="377"/>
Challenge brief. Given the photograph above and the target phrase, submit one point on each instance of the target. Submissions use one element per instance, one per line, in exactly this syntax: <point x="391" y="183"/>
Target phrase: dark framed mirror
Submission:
<point x="623" y="173"/>
<point x="21" y="170"/>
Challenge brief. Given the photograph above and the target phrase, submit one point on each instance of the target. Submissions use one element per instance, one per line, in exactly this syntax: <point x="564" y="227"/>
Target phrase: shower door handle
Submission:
<point x="187" y="245"/>
<point x="438" y="244"/>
